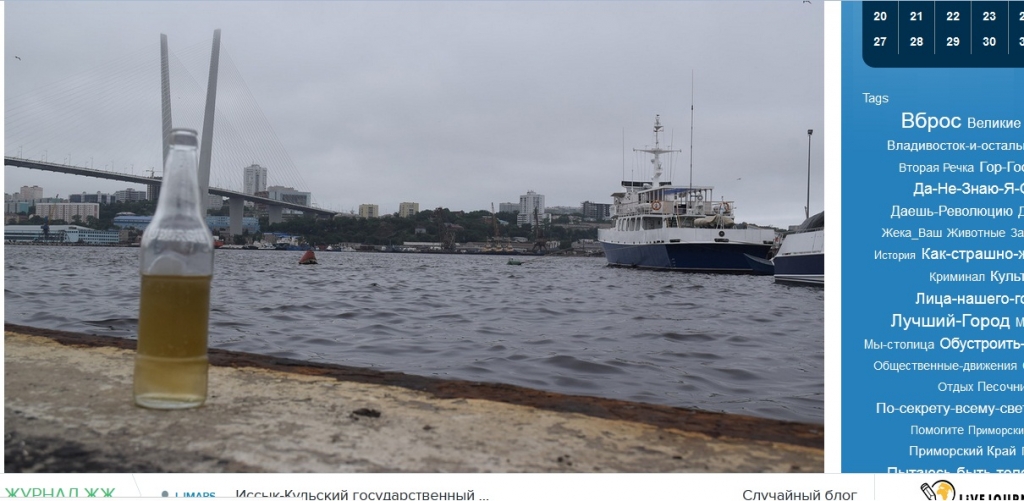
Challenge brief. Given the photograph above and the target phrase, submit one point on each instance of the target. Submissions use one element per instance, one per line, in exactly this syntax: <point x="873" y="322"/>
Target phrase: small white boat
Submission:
<point x="801" y="257"/>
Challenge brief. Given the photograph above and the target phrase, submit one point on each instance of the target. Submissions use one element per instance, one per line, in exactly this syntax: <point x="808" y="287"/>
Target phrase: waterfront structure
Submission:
<point x="509" y="207"/>
<point x="369" y="210"/>
<point x="129" y="195"/>
<point x="531" y="207"/>
<point x="67" y="211"/>
<point x="254" y="178"/>
<point x="221" y="223"/>
<point x="63" y="233"/>
<point x="408" y="209"/>
<point x="95" y="198"/>
<point x="216" y="223"/>
<point x="132" y="221"/>
<point x="592" y="210"/>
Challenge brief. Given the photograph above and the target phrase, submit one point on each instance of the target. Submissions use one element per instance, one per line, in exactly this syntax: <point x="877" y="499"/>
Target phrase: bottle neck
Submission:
<point x="179" y="191"/>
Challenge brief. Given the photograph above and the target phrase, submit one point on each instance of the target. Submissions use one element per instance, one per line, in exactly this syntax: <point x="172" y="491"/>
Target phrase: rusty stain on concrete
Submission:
<point x="68" y="408"/>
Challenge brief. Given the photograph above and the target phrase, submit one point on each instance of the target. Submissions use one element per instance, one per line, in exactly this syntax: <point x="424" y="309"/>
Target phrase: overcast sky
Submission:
<point x="454" y="104"/>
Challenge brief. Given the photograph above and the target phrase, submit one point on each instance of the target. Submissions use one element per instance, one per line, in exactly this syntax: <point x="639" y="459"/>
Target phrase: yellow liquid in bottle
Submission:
<point x="171" y="363"/>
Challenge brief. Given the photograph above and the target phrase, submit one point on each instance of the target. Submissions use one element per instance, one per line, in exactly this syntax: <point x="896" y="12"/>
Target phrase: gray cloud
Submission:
<point x="455" y="104"/>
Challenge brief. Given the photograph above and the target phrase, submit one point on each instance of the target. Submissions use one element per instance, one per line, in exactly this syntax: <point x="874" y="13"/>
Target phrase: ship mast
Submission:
<point x="691" y="129"/>
<point x="656" y="151"/>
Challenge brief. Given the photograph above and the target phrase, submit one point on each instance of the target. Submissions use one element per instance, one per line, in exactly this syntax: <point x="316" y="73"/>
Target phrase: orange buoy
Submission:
<point x="308" y="258"/>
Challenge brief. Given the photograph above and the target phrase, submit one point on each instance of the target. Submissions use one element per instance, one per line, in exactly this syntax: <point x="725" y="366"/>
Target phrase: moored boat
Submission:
<point x="659" y="225"/>
<point x="801" y="257"/>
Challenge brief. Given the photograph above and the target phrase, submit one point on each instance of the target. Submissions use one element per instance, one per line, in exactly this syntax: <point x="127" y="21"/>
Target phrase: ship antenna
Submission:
<point x="623" y="153"/>
<point x="671" y="158"/>
<point x="691" y="129"/>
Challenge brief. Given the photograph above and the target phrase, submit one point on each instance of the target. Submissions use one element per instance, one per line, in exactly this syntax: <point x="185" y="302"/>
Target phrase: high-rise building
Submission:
<point x="288" y="194"/>
<point x="408" y="209"/>
<point x="99" y="198"/>
<point x="129" y="195"/>
<point x="291" y="195"/>
<point x="152" y="192"/>
<point x="29" y="193"/>
<point x="67" y="211"/>
<point x="254" y="178"/>
<point x="509" y="207"/>
<point x="531" y="207"/>
<point x="593" y="210"/>
<point x="369" y="210"/>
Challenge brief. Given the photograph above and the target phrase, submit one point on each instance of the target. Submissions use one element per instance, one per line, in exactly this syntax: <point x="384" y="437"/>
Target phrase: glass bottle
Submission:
<point x="176" y="264"/>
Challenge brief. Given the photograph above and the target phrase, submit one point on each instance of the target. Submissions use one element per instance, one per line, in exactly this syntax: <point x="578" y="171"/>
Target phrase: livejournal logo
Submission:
<point x="941" y="490"/>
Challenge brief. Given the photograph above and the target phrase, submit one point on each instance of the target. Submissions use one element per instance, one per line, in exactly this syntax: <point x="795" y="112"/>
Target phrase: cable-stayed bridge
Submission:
<point x="155" y="181"/>
<point x="113" y="113"/>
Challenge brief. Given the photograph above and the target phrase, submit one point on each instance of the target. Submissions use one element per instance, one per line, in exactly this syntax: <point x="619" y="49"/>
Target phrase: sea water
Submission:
<point x="732" y="343"/>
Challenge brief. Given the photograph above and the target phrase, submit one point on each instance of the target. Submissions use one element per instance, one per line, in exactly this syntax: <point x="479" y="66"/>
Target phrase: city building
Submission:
<point x="561" y="210"/>
<point x="291" y="195"/>
<point x="369" y="210"/>
<point x="152" y="192"/>
<point x="254" y="178"/>
<point x="509" y="207"/>
<point x="129" y="195"/>
<point x="94" y="198"/>
<point x="65" y="233"/>
<point x="67" y="211"/>
<point x="408" y="209"/>
<point x="596" y="211"/>
<point x="17" y="207"/>
<point x="531" y="206"/>
<point x="28" y="194"/>
<point x="214" y="202"/>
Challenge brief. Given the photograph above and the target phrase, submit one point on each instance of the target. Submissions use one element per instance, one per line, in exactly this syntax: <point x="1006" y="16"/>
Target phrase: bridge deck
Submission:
<point x="131" y="178"/>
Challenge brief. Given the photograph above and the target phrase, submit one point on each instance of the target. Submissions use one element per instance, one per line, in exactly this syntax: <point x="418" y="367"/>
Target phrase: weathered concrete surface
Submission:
<point x="68" y="408"/>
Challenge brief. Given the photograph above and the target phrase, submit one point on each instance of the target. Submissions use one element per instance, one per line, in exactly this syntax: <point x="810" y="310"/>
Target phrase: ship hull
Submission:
<point x="801" y="259"/>
<point x="804" y="269"/>
<point x="697" y="257"/>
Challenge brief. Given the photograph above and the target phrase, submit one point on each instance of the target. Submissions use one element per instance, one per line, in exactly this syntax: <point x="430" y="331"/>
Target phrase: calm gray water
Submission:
<point x="738" y="344"/>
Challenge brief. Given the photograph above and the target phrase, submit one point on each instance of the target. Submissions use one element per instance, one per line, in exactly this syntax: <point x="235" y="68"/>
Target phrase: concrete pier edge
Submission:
<point x="38" y="426"/>
<point x="711" y="424"/>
